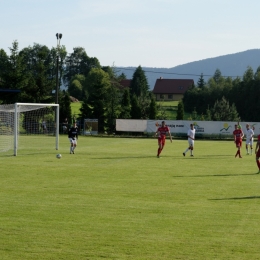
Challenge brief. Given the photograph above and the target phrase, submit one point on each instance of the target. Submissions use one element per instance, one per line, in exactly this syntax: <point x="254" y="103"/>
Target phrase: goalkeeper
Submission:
<point x="73" y="137"/>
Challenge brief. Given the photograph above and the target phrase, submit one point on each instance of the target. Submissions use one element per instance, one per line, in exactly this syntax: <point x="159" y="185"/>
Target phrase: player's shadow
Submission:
<point x="217" y="156"/>
<point x="213" y="175"/>
<point x="239" y="198"/>
<point x="122" y="157"/>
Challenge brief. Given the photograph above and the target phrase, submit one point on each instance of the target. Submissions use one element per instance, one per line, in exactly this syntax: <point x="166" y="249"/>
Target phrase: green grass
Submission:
<point x="170" y="108"/>
<point x="113" y="199"/>
<point x="75" y="106"/>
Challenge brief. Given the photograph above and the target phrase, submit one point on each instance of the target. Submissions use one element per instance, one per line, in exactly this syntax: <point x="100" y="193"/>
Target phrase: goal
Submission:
<point x="28" y="126"/>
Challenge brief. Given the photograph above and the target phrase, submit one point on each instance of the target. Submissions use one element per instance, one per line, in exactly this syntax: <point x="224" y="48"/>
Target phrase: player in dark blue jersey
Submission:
<point x="73" y="137"/>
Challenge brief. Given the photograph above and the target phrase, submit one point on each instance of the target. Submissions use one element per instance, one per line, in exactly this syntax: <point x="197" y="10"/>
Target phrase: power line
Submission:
<point x="182" y="74"/>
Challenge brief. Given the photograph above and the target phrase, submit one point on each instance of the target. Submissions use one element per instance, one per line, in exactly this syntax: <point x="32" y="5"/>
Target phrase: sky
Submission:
<point x="122" y="33"/>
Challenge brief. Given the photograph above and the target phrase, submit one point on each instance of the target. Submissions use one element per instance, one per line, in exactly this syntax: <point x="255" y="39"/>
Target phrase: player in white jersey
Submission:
<point x="191" y="138"/>
<point x="249" y="139"/>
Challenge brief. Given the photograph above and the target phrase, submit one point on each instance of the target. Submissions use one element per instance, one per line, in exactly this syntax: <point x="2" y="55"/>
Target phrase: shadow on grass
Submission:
<point x="9" y="155"/>
<point x="239" y="198"/>
<point x="214" y="175"/>
<point x="125" y="157"/>
<point x="217" y="156"/>
<point x="163" y="156"/>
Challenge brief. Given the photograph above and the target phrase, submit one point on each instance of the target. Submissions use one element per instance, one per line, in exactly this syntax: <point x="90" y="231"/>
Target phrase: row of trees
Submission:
<point x="224" y="98"/>
<point x="33" y="71"/>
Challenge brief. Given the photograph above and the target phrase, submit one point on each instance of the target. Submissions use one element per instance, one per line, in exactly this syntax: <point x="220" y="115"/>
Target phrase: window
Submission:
<point x="170" y="96"/>
<point x="161" y="96"/>
<point x="180" y="87"/>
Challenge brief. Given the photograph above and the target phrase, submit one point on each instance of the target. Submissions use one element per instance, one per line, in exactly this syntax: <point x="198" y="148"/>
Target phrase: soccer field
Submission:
<point x="113" y="199"/>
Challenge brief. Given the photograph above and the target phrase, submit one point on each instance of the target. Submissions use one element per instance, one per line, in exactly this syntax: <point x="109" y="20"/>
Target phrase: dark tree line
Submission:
<point x="224" y="98"/>
<point x="33" y="71"/>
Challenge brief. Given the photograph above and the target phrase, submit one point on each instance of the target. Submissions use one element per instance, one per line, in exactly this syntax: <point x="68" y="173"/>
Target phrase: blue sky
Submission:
<point x="150" y="33"/>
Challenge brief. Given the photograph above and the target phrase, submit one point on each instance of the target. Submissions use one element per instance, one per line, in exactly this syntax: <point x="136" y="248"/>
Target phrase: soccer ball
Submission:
<point x="58" y="156"/>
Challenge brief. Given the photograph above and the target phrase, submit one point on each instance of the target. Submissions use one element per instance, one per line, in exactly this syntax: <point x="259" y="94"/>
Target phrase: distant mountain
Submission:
<point x="233" y="65"/>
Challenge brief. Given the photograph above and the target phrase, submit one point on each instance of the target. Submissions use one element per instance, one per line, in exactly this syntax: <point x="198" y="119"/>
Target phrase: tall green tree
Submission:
<point x="222" y="111"/>
<point x="39" y="66"/>
<point x="201" y="82"/>
<point x="153" y="108"/>
<point x="77" y="87"/>
<point x="3" y="74"/>
<point x="96" y="104"/>
<point x="65" y="108"/>
<point x="135" y="108"/>
<point x="78" y="62"/>
<point x="248" y="76"/>
<point x="112" y="107"/>
<point x="122" y="76"/>
<point x="15" y="76"/>
<point x="180" y="111"/>
<point x="139" y="84"/>
<point x="218" y="77"/>
<point x="125" y="105"/>
<point x="140" y="88"/>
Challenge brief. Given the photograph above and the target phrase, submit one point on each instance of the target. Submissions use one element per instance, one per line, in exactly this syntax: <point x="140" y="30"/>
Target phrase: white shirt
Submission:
<point x="249" y="133"/>
<point x="191" y="133"/>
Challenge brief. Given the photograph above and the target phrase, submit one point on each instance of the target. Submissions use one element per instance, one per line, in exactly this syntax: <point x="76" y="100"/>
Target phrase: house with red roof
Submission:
<point x="171" y="89"/>
<point x="124" y="83"/>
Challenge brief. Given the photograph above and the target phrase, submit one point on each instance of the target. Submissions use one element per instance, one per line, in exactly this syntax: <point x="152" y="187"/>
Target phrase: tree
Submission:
<point x="217" y="76"/>
<point x="153" y="108"/>
<point x="76" y="86"/>
<point x="194" y="114"/>
<point x="3" y="65"/>
<point x="122" y="76"/>
<point x="79" y="62"/>
<point x="222" y="111"/>
<point x="65" y="108"/>
<point x="135" y="108"/>
<point x="112" y="107"/>
<point x="38" y="64"/>
<point x="257" y="74"/>
<point x="248" y="76"/>
<point x="208" y="114"/>
<point x="162" y="115"/>
<point x="3" y="74"/>
<point x="14" y="75"/>
<point x="125" y="105"/>
<point x="96" y="105"/>
<point x="139" y="85"/>
<point x="180" y="111"/>
<point x="201" y="83"/>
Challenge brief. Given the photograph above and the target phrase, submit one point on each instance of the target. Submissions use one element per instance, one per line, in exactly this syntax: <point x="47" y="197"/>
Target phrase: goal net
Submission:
<point x="29" y="126"/>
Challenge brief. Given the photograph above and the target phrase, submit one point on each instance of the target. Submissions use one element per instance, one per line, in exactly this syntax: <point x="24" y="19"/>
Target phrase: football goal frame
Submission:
<point x="31" y="119"/>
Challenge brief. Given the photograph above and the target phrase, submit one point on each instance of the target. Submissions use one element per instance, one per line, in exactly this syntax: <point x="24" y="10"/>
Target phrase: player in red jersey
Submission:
<point x="257" y="153"/>
<point x="238" y="136"/>
<point x="161" y="132"/>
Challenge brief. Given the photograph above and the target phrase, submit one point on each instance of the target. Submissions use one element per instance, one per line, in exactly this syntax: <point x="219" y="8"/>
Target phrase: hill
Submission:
<point x="230" y="65"/>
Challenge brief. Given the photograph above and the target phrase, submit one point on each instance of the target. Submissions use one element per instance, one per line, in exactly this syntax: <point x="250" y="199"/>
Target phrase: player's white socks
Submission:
<point x="186" y="150"/>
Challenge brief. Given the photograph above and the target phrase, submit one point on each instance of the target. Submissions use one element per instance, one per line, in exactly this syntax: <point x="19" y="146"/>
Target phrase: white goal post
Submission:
<point x="29" y="120"/>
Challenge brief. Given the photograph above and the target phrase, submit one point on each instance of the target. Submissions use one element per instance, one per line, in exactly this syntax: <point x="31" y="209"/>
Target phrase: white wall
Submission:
<point x="182" y="126"/>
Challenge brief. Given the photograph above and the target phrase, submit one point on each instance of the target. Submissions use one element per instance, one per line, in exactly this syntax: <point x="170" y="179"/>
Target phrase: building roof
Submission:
<point x="172" y="86"/>
<point x="125" y="83"/>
